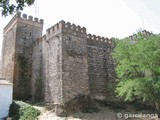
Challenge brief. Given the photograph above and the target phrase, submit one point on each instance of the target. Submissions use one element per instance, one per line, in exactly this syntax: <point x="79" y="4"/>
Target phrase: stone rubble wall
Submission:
<point x="100" y="65"/>
<point x="20" y="34"/>
<point x="26" y="35"/>
<point x="8" y="53"/>
<point x="52" y="62"/>
<point x="74" y="62"/>
<point x="37" y="81"/>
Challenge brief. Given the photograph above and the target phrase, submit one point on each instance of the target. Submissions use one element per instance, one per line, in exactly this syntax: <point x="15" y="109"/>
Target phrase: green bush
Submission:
<point x="23" y="111"/>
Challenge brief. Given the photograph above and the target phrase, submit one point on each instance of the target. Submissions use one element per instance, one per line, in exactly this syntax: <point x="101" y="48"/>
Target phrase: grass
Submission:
<point x="23" y="111"/>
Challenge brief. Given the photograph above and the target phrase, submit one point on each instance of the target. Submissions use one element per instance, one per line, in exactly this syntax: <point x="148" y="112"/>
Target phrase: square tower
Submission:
<point x="19" y="35"/>
<point x="66" y="65"/>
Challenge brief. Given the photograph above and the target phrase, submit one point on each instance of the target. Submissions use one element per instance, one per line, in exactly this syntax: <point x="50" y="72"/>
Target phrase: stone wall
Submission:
<point x="27" y="32"/>
<point x="20" y="34"/>
<point x="8" y="53"/>
<point x="74" y="62"/>
<point x="100" y="65"/>
<point x="52" y="65"/>
<point x="37" y="81"/>
<point x="64" y="64"/>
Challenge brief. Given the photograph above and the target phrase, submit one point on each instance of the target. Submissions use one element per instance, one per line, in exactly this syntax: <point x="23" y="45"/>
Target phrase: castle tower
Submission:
<point x="66" y="66"/>
<point x="19" y="35"/>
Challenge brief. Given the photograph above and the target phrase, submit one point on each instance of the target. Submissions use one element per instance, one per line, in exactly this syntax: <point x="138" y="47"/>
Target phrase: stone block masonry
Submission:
<point x="59" y="66"/>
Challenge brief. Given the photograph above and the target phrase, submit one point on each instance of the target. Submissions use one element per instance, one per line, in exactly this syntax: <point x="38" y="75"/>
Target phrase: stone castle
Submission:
<point x="58" y="66"/>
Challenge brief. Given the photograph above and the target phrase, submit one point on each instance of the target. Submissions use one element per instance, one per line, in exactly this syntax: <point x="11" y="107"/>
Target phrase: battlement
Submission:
<point x="24" y="19"/>
<point x="65" y="27"/>
<point x="53" y="29"/>
<point x="134" y="36"/>
<point x="39" y="40"/>
<point x="24" y="16"/>
<point x="97" y="40"/>
<point x="76" y="28"/>
<point x="145" y="32"/>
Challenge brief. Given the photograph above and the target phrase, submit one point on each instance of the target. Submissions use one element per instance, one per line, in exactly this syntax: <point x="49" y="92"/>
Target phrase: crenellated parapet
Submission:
<point x="36" y="22"/>
<point x="134" y="36"/>
<point x="145" y="32"/>
<point x="39" y="41"/>
<point x="65" y="28"/>
<point x="30" y="18"/>
<point x="98" y="41"/>
<point x="74" y="28"/>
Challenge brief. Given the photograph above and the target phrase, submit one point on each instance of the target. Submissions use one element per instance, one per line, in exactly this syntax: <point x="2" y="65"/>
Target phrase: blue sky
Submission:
<point x="108" y="18"/>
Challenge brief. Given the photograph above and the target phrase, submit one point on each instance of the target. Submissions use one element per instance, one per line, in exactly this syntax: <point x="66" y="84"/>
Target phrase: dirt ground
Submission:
<point x="105" y="113"/>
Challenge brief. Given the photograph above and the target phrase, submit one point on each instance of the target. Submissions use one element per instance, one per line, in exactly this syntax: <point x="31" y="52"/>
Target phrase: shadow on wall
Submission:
<point x="82" y="103"/>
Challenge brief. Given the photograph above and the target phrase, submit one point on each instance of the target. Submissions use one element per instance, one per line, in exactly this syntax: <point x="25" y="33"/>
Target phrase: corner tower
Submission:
<point x="66" y="66"/>
<point x="19" y="35"/>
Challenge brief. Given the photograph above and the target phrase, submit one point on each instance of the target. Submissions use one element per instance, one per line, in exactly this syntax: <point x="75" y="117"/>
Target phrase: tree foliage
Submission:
<point x="138" y="68"/>
<point x="23" y="111"/>
<point x="11" y="6"/>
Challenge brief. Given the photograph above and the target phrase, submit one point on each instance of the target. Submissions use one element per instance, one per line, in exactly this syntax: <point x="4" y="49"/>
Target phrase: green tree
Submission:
<point x="138" y="68"/>
<point x="11" y="6"/>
